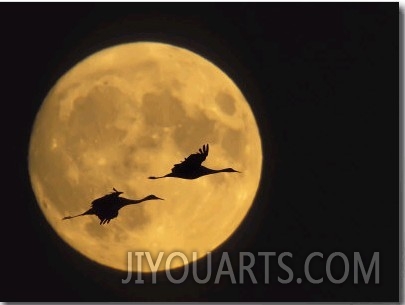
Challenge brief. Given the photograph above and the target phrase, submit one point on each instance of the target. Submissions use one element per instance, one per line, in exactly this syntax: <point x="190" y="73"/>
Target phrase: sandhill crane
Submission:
<point x="107" y="207"/>
<point x="191" y="167"/>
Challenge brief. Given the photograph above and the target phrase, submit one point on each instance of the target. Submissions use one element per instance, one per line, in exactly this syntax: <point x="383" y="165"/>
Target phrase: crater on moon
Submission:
<point x="226" y="102"/>
<point x="129" y="112"/>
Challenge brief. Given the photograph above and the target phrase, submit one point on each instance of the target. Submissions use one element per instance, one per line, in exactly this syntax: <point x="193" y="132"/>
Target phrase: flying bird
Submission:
<point x="107" y="207"/>
<point x="191" y="167"/>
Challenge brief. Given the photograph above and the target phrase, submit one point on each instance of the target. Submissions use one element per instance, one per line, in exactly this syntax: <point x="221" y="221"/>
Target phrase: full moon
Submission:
<point x="129" y="112"/>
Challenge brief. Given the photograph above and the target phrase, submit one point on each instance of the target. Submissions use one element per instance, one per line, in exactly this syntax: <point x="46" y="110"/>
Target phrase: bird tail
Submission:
<point x="153" y="177"/>
<point x="70" y="217"/>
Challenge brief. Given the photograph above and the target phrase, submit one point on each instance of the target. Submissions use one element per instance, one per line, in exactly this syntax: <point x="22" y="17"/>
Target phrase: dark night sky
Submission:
<point x="322" y="80"/>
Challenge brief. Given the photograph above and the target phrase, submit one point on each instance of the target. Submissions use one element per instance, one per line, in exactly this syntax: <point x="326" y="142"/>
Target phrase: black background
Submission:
<point x="322" y="80"/>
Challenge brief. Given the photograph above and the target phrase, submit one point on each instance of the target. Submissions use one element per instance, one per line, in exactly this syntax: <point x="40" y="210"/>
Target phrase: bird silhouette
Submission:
<point x="191" y="167"/>
<point x="107" y="207"/>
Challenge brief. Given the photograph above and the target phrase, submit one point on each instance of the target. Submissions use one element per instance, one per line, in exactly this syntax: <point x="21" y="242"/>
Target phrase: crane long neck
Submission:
<point x="209" y="171"/>
<point x="125" y="201"/>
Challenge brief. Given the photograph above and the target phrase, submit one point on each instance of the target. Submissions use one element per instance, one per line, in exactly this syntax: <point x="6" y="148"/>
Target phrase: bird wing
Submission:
<point x="192" y="162"/>
<point x="99" y="202"/>
<point x="105" y="200"/>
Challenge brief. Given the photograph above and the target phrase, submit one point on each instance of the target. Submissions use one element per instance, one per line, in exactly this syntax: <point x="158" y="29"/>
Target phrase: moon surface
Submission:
<point x="129" y="112"/>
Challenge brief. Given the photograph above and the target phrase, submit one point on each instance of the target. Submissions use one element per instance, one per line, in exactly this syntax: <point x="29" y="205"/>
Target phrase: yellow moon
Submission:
<point x="129" y="112"/>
